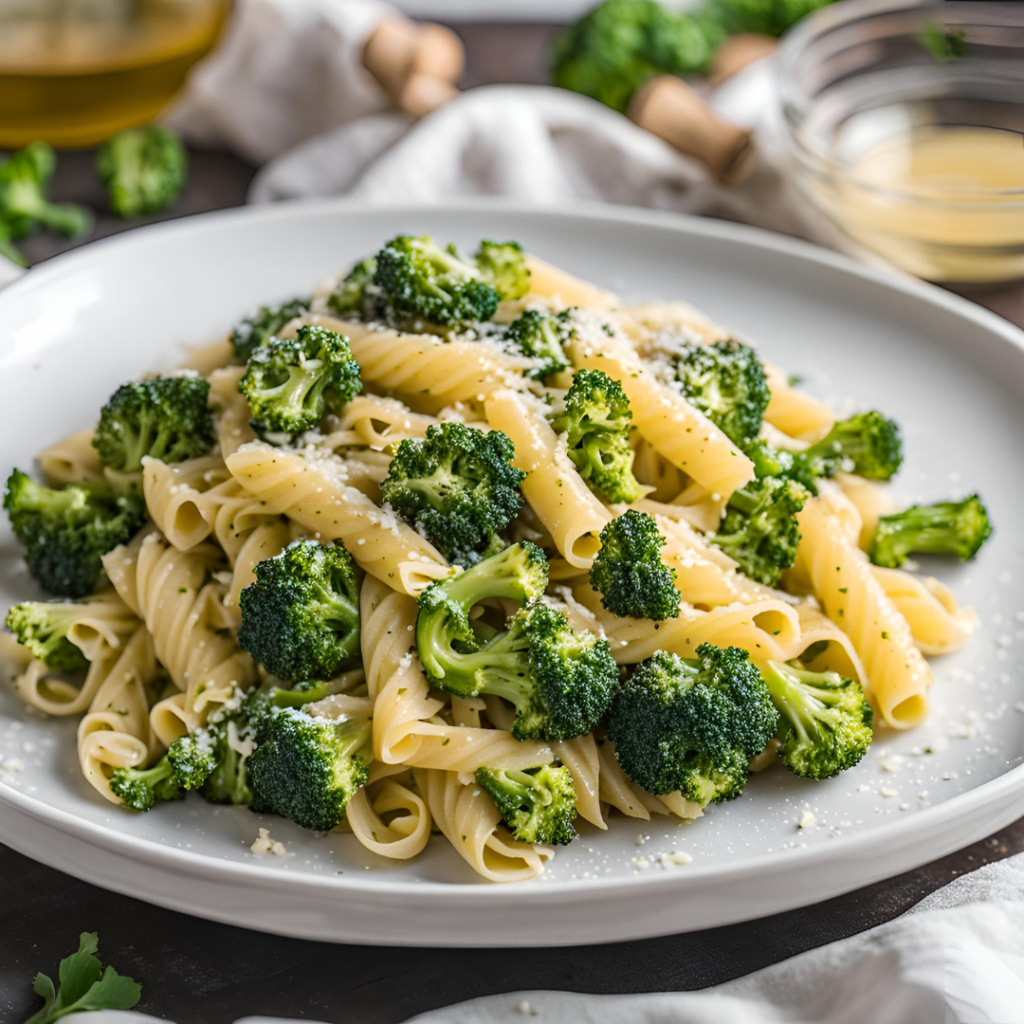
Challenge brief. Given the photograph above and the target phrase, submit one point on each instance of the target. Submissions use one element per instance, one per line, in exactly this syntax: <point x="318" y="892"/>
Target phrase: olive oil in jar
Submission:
<point x="74" y="72"/>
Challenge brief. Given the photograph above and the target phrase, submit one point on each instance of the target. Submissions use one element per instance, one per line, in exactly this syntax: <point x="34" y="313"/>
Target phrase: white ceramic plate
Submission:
<point x="75" y="328"/>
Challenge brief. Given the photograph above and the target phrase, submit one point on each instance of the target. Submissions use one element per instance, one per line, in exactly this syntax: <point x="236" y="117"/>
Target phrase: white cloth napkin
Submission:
<point x="287" y="87"/>
<point x="955" y="958"/>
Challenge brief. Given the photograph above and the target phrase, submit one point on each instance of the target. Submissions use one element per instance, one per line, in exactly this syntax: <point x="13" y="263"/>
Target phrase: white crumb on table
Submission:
<point x="263" y="845"/>
<point x="807" y="820"/>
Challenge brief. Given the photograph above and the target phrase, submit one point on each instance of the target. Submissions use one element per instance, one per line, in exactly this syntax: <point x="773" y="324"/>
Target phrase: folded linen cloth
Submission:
<point x="287" y="88"/>
<point x="955" y="958"/>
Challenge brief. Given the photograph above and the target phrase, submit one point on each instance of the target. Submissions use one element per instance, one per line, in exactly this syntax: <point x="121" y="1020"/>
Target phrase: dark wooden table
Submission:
<point x="195" y="972"/>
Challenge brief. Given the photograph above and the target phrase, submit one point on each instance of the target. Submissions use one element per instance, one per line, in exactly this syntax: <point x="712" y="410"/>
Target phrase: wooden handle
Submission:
<point x="417" y="65"/>
<point x="738" y="52"/>
<point x="670" y="109"/>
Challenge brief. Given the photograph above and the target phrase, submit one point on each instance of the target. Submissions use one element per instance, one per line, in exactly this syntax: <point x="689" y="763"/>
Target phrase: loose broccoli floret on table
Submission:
<point x="458" y="487"/>
<point x="253" y="331"/>
<point x="300" y="618"/>
<point x="727" y="383"/>
<point x="596" y="424"/>
<point x="628" y="571"/>
<point x="559" y="681"/>
<point x="141" y="788"/>
<point x="166" y="418"/>
<point x="692" y="724"/>
<point x="620" y="44"/>
<point x="42" y="627"/>
<point x="308" y="768"/>
<point x="542" y="336"/>
<point x="291" y="383"/>
<point x="759" y="528"/>
<point x="825" y="723"/>
<point x="24" y="178"/>
<point x="143" y="169"/>
<point x="956" y="528"/>
<point x="868" y="443"/>
<point x="66" y="531"/>
<point x="538" y="804"/>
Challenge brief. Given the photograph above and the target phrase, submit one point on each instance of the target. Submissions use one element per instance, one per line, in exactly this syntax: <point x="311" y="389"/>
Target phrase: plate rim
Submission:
<point x="426" y="891"/>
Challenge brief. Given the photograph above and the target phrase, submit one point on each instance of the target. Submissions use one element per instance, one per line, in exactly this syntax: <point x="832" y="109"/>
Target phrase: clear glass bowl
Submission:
<point x="858" y="79"/>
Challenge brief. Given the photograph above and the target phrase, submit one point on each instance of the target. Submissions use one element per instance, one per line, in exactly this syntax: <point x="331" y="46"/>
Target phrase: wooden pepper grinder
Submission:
<point x="670" y="109"/>
<point x="417" y="65"/>
<point x="736" y="53"/>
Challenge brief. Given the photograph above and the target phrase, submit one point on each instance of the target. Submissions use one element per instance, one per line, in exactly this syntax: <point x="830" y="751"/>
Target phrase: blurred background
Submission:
<point x="892" y="130"/>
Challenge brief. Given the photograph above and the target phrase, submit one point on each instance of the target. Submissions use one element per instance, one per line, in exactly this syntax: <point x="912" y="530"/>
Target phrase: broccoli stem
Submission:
<point x="798" y="695"/>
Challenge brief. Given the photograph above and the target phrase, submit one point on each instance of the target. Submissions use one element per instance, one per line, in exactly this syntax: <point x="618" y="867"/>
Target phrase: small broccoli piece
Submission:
<point x="307" y="768"/>
<point x="24" y="178"/>
<point x="760" y="530"/>
<point x="692" y="724"/>
<point x="300" y="618"/>
<point x="66" y="531"/>
<point x="542" y="336"/>
<point x="503" y="266"/>
<point x="762" y="17"/>
<point x="355" y="295"/>
<point x="419" y="281"/>
<point x="292" y="382"/>
<point x="942" y="46"/>
<point x="143" y="170"/>
<point x="458" y="487"/>
<point x="596" y="425"/>
<point x="825" y="723"/>
<point x="868" y="442"/>
<point x="42" y="627"/>
<point x="726" y="382"/>
<point x="560" y="682"/>
<point x="193" y="757"/>
<point x="166" y="418"/>
<point x="628" y="571"/>
<point x="620" y="44"/>
<point x="946" y="528"/>
<point x="141" y="788"/>
<point x="784" y="465"/>
<point x="252" y="332"/>
<point x="538" y="804"/>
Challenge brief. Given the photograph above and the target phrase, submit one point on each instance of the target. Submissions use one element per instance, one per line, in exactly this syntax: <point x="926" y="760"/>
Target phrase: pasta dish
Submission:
<point x="462" y="544"/>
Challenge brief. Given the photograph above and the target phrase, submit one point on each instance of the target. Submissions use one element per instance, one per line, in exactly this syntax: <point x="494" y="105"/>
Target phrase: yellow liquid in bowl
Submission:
<point x="75" y="74"/>
<point x="934" y="201"/>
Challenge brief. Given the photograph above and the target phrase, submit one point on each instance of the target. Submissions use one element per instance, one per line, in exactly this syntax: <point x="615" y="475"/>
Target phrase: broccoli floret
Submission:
<point x="560" y="682"/>
<point x="868" y="442"/>
<point x="538" y="804"/>
<point x="66" y="531"/>
<point x="620" y="44"/>
<point x="166" y="418"/>
<point x="692" y="724"/>
<point x="291" y="383"/>
<point x="596" y="425"/>
<point x="140" y="788"/>
<point x="418" y="281"/>
<point x="769" y="461"/>
<point x="308" y="768"/>
<point x="503" y="266"/>
<point x="946" y="528"/>
<point x="825" y="723"/>
<point x="542" y="336"/>
<point x="300" y="618"/>
<point x="42" y="627"/>
<point x="252" y="332"/>
<point x="760" y="530"/>
<point x="628" y="571"/>
<point x="726" y="382"/>
<point x="143" y="170"/>
<point x="355" y="295"/>
<point x="762" y="17"/>
<point x="458" y="487"/>
<point x="24" y="178"/>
